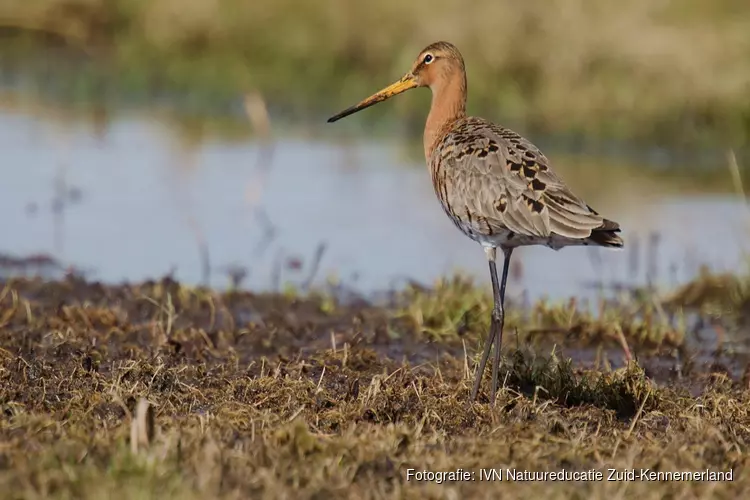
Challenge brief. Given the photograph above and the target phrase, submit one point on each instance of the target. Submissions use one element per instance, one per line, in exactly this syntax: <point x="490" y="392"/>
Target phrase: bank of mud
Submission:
<point x="283" y="396"/>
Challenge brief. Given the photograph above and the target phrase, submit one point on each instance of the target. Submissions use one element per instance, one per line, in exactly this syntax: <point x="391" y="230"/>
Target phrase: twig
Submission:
<point x="276" y="271"/>
<point x="637" y="415"/>
<point x="59" y="199"/>
<point x="202" y="244"/>
<point x="269" y="231"/>
<point x="595" y="259"/>
<point x="319" y="251"/>
<point x="623" y="343"/>
<point x="734" y="170"/>
<point x="653" y="265"/>
<point x="200" y="239"/>
<point x="257" y="114"/>
<point x="142" y="426"/>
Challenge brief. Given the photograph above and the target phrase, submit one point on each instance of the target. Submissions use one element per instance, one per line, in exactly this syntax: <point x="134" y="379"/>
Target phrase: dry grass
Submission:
<point x="161" y="391"/>
<point x="457" y="305"/>
<point x="638" y="69"/>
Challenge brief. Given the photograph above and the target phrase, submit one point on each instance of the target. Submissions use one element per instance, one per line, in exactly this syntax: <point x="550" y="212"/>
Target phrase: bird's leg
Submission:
<point x="496" y="324"/>
<point x="487" y="344"/>
<point x="498" y="318"/>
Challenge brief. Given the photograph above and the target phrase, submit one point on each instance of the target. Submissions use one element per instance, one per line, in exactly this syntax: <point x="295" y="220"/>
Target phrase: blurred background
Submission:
<point x="187" y="137"/>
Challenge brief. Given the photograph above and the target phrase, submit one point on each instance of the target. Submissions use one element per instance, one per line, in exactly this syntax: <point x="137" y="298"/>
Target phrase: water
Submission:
<point x="146" y="197"/>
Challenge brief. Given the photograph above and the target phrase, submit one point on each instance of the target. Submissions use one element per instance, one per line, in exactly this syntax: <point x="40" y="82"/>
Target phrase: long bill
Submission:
<point x="404" y="84"/>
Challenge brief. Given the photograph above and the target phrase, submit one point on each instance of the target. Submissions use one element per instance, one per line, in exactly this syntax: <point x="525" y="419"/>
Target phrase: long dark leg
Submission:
<point x="498" y="316"/>
<point x="496" y="325"/>
<point x="488" y="343"/>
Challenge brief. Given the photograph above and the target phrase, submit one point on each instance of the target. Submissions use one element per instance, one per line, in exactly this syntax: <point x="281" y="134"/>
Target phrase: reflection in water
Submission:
<point x="147" y="202"/>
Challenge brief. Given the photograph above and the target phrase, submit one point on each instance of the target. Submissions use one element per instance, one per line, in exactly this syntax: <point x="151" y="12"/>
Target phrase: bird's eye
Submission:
<point x="428" y="59"/>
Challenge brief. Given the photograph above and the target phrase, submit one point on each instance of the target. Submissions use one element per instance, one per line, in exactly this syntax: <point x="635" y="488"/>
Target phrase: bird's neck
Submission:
<point x="448" y="105"/>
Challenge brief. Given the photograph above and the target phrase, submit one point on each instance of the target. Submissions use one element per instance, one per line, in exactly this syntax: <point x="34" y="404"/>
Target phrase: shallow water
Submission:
<point x="137" y="199"/>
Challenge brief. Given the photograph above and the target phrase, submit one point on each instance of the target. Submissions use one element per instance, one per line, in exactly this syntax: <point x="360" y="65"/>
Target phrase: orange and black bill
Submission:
<point x="404" y="84"/>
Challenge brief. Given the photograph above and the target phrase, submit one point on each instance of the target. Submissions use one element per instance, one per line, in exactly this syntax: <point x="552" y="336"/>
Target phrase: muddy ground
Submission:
<point x="157" y="390"/>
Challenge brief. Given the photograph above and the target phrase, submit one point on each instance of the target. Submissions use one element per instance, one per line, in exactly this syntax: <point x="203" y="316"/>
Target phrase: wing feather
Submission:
<point x="492" y="180"/>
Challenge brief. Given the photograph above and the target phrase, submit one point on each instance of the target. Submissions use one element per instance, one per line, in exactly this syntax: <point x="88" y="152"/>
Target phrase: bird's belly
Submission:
<point x="505" y="239"/>
<point x="483" y="233"/>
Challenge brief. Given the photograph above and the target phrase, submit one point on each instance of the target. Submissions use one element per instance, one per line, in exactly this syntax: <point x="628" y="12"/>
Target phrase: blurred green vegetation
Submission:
<point x="676" y="72"/>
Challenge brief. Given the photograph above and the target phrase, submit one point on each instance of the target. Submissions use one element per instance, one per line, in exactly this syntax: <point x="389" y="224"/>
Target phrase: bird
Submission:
<point x="496" y="187"/>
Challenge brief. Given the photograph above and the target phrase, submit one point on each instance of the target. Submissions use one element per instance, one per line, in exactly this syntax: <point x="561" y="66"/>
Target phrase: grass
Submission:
<point x="457" y="306"/>
<point x="644" y="70"/>
<point x="157" y="390"/>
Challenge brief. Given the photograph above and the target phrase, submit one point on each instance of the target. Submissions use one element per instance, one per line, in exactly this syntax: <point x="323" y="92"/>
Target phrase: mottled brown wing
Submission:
<point x="491" y="179"/>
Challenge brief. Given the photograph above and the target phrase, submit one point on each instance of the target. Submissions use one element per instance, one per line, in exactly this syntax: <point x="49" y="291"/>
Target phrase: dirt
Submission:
<point x="161" y="390"/>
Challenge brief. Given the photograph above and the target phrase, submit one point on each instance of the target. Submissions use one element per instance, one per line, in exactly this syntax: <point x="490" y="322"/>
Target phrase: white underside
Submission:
<point x="509" y="239"/>
<point x="504" y="239"/>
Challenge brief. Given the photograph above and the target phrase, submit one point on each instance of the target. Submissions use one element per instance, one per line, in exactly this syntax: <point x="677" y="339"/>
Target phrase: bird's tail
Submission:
<point x="606" y="235"/>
